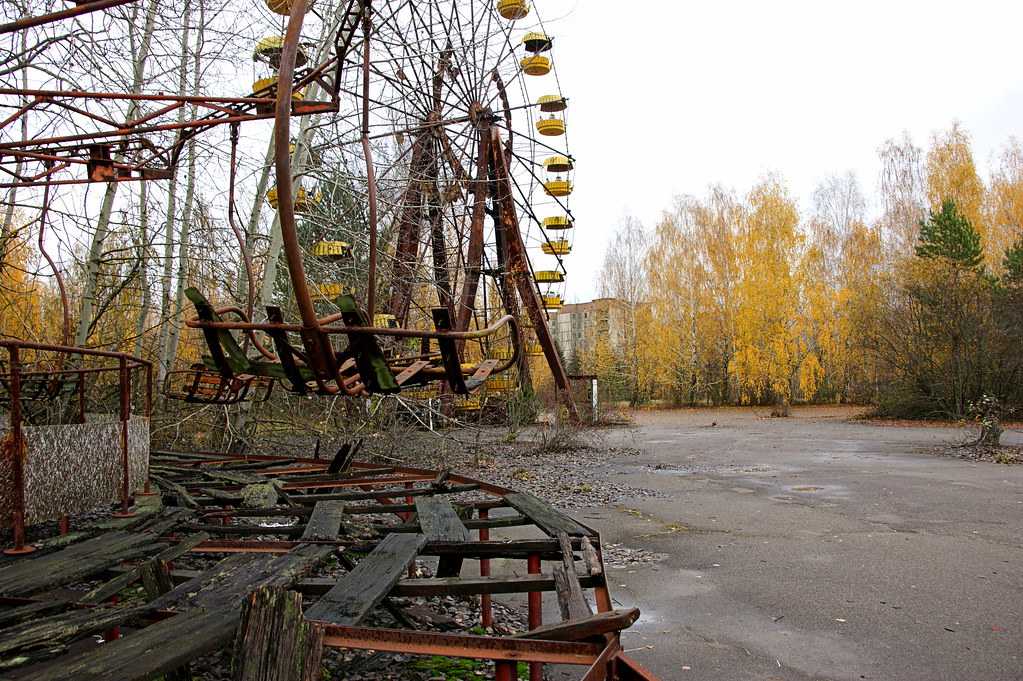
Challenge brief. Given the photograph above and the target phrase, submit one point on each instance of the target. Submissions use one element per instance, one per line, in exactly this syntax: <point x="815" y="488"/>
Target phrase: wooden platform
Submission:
<point x="119" y="582"/>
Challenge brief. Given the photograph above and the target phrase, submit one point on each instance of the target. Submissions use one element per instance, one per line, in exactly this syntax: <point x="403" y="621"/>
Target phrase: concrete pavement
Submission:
<point x="816" y="547"/>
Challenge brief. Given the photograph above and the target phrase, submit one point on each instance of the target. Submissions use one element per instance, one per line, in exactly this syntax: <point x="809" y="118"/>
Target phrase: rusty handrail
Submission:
<point x="135" y="362"/>
<point x="196" y="323"/>
<point x="14" y="444"/>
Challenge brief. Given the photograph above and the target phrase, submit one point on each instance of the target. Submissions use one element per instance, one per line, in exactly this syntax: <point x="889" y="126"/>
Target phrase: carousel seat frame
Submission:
<point x="362" y="369"/>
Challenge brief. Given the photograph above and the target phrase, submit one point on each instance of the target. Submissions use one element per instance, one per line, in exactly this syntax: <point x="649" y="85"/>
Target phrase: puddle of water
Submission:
<point x="817" y="490"/>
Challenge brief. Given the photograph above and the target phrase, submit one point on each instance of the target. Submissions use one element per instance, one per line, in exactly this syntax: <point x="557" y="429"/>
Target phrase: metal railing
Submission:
<point x="14" y="446"/>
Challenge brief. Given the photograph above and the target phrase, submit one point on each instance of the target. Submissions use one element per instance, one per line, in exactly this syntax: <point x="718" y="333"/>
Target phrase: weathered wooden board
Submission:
<point x="126" y="579"/>
<point x="545" y="516"/>
<point x="571" y="600"/>
<point x="582" y="629"/>
<point x="440" y="522"/>
<point x="274" y="641"/>
<point x="158" y="649"/>
<point x="359" y="591"/>
<point x="325" y="522"/>
<point x="76" y="562"/>
<point x="66" y="626"/>
<point x="382" y="492"/>
<point x="498" y="521"/>
<point x="231" y="579"/>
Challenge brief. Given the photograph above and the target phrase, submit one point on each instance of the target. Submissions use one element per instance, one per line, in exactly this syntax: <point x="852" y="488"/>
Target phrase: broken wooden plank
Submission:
<point x="226" y="498"/>
<point x="545" y="516"/>
<point x="384" y="492"/>
<point x="590" y="558"/>
<point x="274" y="642"/>
<point x="590" y="627"/>
<point x="126" y="579"/>
<point x="184" y="498"/>
<point x="359" y="591"/>
<point x="64" y="627"/>
<point x="571" y="600"/>
<point x="232" y="477"/>
<point x="325" y="522"/>
<point x="156" y="579"/>
<point x="341" y="462"/>
<point x="76" y="562"/>
<point x="495" y="522"/>
<point x="439" y="521"/>
<point x="232" y="578"/>
<point x="160" y="648"/>
<point x="32" y="610"/>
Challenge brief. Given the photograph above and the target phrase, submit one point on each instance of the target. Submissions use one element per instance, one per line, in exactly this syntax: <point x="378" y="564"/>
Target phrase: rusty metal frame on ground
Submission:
<point x="208" y="487"/>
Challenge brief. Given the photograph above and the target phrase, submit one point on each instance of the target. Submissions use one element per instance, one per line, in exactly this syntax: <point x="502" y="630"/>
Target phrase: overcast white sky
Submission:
<point x="668" y="97"/>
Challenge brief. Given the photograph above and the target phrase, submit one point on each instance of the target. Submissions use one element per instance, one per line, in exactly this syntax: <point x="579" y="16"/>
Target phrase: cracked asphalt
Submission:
<point x="816" y="547"/>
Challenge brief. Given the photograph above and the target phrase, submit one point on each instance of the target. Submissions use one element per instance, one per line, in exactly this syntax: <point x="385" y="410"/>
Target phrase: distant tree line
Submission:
<point x="746" y="300"/>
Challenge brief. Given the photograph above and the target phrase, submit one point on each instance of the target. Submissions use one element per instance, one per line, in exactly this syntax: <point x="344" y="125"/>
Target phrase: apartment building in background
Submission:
<point x="577" y="326"/>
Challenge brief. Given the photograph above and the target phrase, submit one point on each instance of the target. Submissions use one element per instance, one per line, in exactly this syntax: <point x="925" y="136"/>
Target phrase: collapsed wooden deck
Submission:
<point x="248" y="600"/>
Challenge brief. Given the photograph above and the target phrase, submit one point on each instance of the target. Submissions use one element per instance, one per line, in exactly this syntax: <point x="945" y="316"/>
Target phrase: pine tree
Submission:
<point x="949" y="235"/>
<point x="1013" y="263"/>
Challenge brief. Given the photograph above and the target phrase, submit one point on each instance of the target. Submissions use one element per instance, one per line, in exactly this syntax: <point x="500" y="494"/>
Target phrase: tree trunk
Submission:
<point x="147" y="297"/>
<point x="172" y="189"/>
<point x="173" y="322"/>
<point x="7" y="232"/>
<point x="85" y="319"/>
<point x="298" y="160"/>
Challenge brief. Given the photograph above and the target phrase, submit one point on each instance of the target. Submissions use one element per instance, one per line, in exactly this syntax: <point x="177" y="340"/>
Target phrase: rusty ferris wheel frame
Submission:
<point x="121" y="152"/>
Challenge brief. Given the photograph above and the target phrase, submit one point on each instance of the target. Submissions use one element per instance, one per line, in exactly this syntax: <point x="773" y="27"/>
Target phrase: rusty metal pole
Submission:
<point x="601" y="593"/>
<point x="486" y="606"/>
<point x="518" y="266"/>
<point x="407" y="517"/>
<point x="505" y="671"/>
<point x="16" y="453"/>
<point x="535" y="613"/>
<point x="125" y="391"/>
<point x="371" y="182"/>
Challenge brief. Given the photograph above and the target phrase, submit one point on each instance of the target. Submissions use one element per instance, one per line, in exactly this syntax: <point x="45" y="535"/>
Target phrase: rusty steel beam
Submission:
<point x="45" y="95"/>
<point x="628" y="669"/>
<point x="455" y="645"/>
<point x="406" y="254"/>
<point x="518" y="266"/>
<point x="369" y="482"/>
<point x="474" y="255"/>
<point x="83" y="8"/>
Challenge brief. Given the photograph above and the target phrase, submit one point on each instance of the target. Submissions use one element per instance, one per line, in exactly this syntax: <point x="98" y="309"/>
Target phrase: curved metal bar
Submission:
<point x="66" y="337"/>
<point x="367" y="152"/>
<point x="282" y="163"/>
<point x="234" y="309"/>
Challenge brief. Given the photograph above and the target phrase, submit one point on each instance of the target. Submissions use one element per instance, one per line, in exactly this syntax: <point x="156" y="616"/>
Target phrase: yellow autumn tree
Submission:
<point x="767" y="335"/>
<point x="952" y="174"/>
<point x="1005" y="204"/>
<point x="859" y="302"/>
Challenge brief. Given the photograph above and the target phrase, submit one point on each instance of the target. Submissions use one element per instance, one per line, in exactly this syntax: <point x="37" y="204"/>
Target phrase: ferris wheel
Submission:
<point x="422" y="196"/>
<point x="450" y="124"/>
